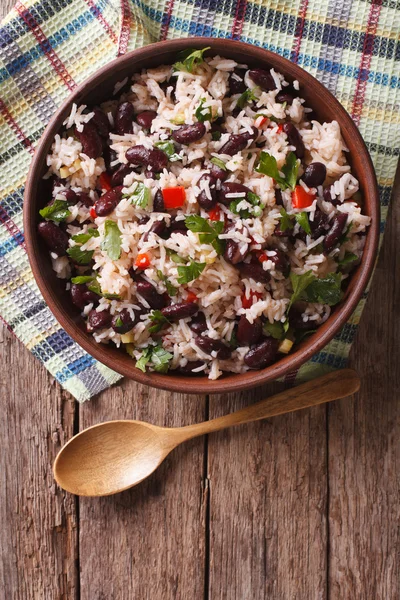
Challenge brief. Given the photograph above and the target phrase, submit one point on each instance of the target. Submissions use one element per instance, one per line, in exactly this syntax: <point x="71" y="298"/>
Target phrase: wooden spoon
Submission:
<point x="116" y="455"/>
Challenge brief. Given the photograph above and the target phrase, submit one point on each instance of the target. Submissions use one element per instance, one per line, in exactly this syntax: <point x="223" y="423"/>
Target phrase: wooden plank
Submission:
<point x="38" y="520"/>
<point x="268" y="494"/>
<point x="148" y="542"/>
<point x="364" y="450"/>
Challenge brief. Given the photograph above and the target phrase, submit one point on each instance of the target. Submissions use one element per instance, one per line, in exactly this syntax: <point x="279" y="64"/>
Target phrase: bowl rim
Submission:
<point x="232" y="382"/>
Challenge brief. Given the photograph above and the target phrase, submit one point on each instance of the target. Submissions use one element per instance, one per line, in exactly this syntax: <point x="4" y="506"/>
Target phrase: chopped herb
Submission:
<point x="144" y="359"/>
<point x="203" y="113"/>
<point x="299" y="284"/>
<point x="159" y="321"/>
<point x="112" y="240"/>
<point x="220" y="163"/>
<point x="343" y="238"/>
<point x="247" y="96"/>
<point x="349" y="257"/>
<point x="268" y="166"/>
<point x="275" y="329"/>
<point x="169" y="149"/>
<point x="82" y="279"/>
<point x="302" y="220"/>
<point x="327" y="290"/>
<point x="57" y="211"/>
<point x="118" y="322"/>
<point x="285" y="222"/>
<point x="190" y="272"/>
<point x="189" y="60"/>
<point x="233" y="342"/>
<point x="174" y="256"/>
<point x="82" y="238"/>
<point x="216" y="136"/>
<point x="141" y="196"/>
<point x="159" y="358"/>
<point x="172" y="291"/>
<point x="81" y="257"/>
<point x="254" y="211"/>
<point x="208" y="233"/>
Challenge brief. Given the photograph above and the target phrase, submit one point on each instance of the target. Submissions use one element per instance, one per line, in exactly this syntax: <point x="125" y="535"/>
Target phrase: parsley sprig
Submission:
<point x="190" y="59"/>
<point x="157" y="356"/>
<point x="267" y="166"/>
<point x="57" y="211"/>
<point x="208" y="233"/>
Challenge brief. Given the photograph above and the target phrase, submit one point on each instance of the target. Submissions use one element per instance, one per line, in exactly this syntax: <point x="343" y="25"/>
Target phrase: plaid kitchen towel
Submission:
<point x="50" y="46"/>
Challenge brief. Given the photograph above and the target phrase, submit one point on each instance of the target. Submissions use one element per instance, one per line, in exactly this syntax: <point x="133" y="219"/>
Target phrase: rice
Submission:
<point x="192" y="271"/>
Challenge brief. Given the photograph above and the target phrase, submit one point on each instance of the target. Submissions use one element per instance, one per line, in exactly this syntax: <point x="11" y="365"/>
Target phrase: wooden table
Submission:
<point x="304" y="506"/>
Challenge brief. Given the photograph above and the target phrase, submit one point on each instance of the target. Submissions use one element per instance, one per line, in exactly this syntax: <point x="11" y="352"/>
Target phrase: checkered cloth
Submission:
<point x="50" y="46"/>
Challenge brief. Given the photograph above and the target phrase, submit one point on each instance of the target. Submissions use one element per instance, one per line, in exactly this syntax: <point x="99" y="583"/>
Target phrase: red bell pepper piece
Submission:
<point x="174" y="197"/>
<point x="142" y="261"/>
<point x="301" y="198"/>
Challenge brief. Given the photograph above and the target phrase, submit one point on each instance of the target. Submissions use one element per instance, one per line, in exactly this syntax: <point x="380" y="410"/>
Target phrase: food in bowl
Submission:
<point x="203" y="219"/>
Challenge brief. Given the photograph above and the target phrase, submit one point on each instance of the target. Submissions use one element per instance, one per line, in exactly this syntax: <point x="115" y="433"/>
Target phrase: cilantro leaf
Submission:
<point x="220" y="163"/>
<point x="112" y="240"/>
<point x="268" y="166"/>
<point x="299" y="285"/>
<point x="81" y="257"/>
<point x="174" y="256"/>
<point x="275" y="330"/>
<point x="255" y="211"/>
<point x="208" y="234"/>
<point x="349" y="257"/>
<point x="190" y="272"/>
<point x="169" y="149"/>
<point x="82" y="238"/>
<point x="172" y="291"/>
<point x="247" y="96"/>
<point x="82" y="279"/>
<point x="141" y="196"/>
<point x="215" y="136"/>
<point x="57" y="211"/>
<point x="285" y="222"/>
<point x="290" y="170"/>
<point x="144" y="359"/>
<point x="190" y="59"/>
<point x="160" y="359"/>
<point x="203" y="114"/>
<point x="302" y="220"/>
<point x="159" y="321"/>
<point x="327" y="290"/>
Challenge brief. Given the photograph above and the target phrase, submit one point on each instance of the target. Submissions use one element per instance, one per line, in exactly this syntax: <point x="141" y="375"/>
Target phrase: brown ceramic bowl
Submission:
<point x="98" y="88"/>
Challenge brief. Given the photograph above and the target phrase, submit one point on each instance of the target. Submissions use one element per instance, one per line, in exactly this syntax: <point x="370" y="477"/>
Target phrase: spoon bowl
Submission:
<point x="113" y="456"/>
<point x="110" y="457"/>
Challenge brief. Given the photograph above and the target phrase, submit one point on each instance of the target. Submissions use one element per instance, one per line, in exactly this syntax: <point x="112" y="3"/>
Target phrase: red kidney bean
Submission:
<point x="149" y="293"/>
<point x="296" y="320"/>
<point x="98" y="320"/>
<point x="198" y="324"/>
<point x="69" y="195"/>
<point x="238" y="142"/>
<point x="91" y="142"/>
<point x="280" y="261"/>
<point x="232" y="253"/>
<point x="294" y="139"/>
<point x="85" y="199"/>
<point x="124" y="118"/>
<point x="328" y="197"/>
<point x="278" y="197"/>
<point x="284" y="96"/>
<point x="315" y="174"/>
<point x="230" y="187"/>
<point x="176" y="227"/>
<point x="145" y="118"/>
<point x="333" y="235"/>
<point x="181" y="310"/>
<point x="54" y="238"/>
<point x="248" y="333"/>
<point x="318" y="224"/>
<point x="122" y="322"/>
<point x="236" y="86"/>
<point x="158" y="202"/>
<point x="108" y="201"/>
<point x="158" y="227"/>
<point x="209" y="345"/>
<point x="203" y="200"/>
<point x="187" y="134"/>
<point x="101" y="122"/>
<point x="190" y="365"/>
<point x="150" y="174"/>
<point x="262" y="355"/>
<point x="218" y="173"/>
<point x="109" y="156"/>
<point x="154" y="158"/>
<point x="81" y="296"/>
<point x="253" y="271"/>
<point x="263" y="79"/>
<point x="118" y="176"/>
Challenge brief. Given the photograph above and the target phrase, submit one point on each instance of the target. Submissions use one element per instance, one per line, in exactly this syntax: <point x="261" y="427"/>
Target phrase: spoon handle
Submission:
<point x="318" y="391"/>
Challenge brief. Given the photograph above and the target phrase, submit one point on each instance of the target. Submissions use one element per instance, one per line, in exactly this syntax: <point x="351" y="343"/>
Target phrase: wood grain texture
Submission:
<point x="38" y="520"/>
<point x="148" y="542"/>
